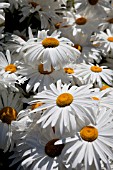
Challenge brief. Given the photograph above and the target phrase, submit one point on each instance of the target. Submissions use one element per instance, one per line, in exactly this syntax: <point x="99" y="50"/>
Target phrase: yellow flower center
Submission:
<point x="104" y="87"/>
<point x="41" y="70"/>
<point x="64" y="99"/>
<point x="110" y="21"/>
<point x="34" y="4"/>
<point x="81" y="21"/>
<point x="7" y="114"/>
<point x="50" y="42"/>
<point x="96" y="69"/>
<point x="11" y="67"/>
<point x="95" y="98"/>
<point x="53" y="150"/>
<point x="78" y="47"/>
<point x="57" y="25"/>
<point x="110" y="39"/>
<point x="93" y="2"/>
<point x="89" y="133"/>
<point x="36" y="105"/>
<point x="69" y="70"/>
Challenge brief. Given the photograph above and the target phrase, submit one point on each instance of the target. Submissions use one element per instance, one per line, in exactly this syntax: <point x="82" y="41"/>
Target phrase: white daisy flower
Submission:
<point x="92" y="144"/>
<point x="38" y="78"/>
<point x="86" y="21"/>
<point x="105" y="40"/>
<point x="64" y="106"/>
<point x="103" y="98"/>
<point x="41" y="10"/>
<point x="70" y="70"/>
<point x="10" y="105"/>
<point x="82" y="42"/>
<point x="45" y="47"/>
<point x="96" y="6"/>
<point x="107" y="21"/>
<point x="94" y="74"/>
<point x="10" y="65"/>
<point x="38" y="151"/>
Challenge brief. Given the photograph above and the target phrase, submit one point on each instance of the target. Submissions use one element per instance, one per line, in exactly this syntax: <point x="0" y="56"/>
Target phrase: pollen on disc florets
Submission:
<point x="65" y="99"/>
<point x="81" y="21"/>
<point x="104" y="87"/>
<point x="36" y="105"/>
<point x="53" y="150"/>
<point x="50" y="42"/>
<point x="89" y="133"/>
<point x="41" y="69"/>
<point x="78" y="47"/>
<point x="93" y="2"/>
<point x="69" y="70"/>
<point x="11" y="67"/>
<point x="96" y="69"/>
<point x="8" y="114"/>
<point x="95" y="98"/>
<point x="110" y="39"/>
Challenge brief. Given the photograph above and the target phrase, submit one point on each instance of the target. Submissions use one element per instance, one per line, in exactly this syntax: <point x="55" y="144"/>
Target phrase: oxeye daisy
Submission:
<point x="85" y="21"/>
<point x="103" y="98"/>
<point x="38" y="151"/>
<point x="10" y="105"/>
<point x="92" y="144"/>
<point x="70" y="70"/>
<point x="82" y="42"/>
<point x="94" y="74"/>
<point x="50" y="50"/>
<point x="64" y="105"/>
<point x="96" y="6"/>
<point x="10" y="66"/>
<point x="107" y="21"/>
<point x="38" y="78"/>
<point x="105" y="40"/>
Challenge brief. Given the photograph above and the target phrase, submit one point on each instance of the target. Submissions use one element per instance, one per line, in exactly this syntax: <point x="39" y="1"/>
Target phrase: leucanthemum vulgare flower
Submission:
<point x="38" y="151"/>
<point x="105" y="40"/>
<point x="41" y="10"/>
<point x="38" y="78"/>
<point x="63" y="106"/>
<point x="97" y="7"/>
<point x="10" y="105"/>
<point x="82" y="42"/>
<point x="94" y="74"/>
<point x="103" y="98"/>
<point x="92" y="144"/>
<point x="70" y="70"/>
<point x="107" y="21"/>
<point x="10" y="66"/>
<point x="50" y="50"/>
<point x="86" y="21"/>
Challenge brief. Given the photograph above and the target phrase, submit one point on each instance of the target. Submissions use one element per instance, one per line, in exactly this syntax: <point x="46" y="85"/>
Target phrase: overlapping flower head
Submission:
<point x="56" y="84"/>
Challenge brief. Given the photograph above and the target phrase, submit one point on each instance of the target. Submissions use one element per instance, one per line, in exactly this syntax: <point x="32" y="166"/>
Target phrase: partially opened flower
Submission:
<point x="50" y="50"/>
<point x="92" y="144"/>
<point x="64" y="106"/>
